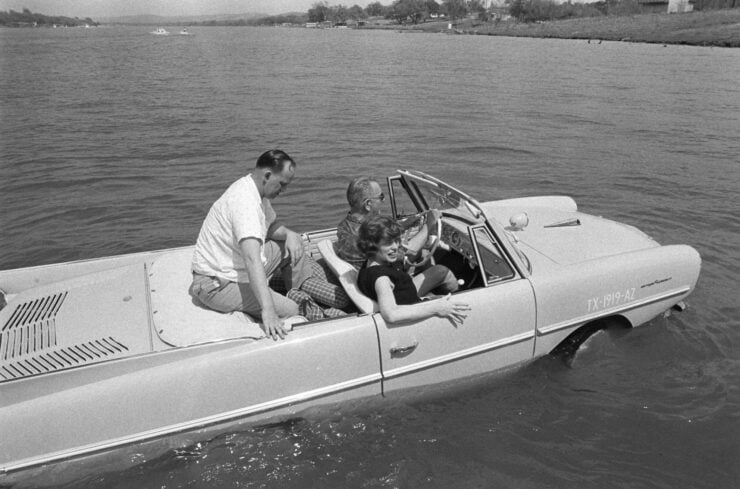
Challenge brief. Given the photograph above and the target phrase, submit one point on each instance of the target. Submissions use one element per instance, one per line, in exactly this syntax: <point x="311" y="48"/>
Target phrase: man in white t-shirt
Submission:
<point x="241" y="245"/>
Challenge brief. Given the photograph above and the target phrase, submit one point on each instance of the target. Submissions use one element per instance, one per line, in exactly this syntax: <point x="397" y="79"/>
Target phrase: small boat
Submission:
<point x="159" y="31"/>
<point x="184" y="32"/>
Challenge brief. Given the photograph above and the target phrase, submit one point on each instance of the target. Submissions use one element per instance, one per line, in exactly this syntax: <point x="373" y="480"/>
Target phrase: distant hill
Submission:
<point x="26" y="18"/>
<point x="177" y="19"/>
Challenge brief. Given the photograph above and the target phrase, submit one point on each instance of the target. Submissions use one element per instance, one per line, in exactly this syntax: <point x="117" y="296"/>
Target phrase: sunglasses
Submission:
<point x="380" y="197"/>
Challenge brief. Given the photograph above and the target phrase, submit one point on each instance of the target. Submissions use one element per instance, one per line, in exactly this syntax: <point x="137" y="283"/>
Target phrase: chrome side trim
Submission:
<point x="197" y="423"/>
<point x="459" y="355"/>
<point x="614" y="310"/>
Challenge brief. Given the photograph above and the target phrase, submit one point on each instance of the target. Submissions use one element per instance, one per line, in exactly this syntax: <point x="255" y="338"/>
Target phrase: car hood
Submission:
<point x="567" y="237"/>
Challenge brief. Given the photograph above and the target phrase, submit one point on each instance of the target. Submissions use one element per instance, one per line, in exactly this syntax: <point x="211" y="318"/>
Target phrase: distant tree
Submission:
<point x="455" y="9"/>
<point x="408" y="10"/>
<point x="537" y="10"/>
<point x="476" y="6"/>
<point x="375" y="9"/>
<point x="295" y="18"/>
<point x="357" y="13"/>
<point x="339" y="14"/>
<point x="432" y="7"/>
<point x="319" y="12"/>
<point x="516" y="8"/>
<point x="26" y="18"/>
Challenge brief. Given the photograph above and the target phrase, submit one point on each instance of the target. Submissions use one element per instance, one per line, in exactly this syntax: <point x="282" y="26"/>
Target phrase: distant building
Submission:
<point x="669" y="6"/>
<point x="680" y="6"/>
<point x="653" y="6"/>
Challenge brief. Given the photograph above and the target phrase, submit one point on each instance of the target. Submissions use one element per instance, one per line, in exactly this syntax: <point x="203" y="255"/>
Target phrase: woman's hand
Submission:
<point x="454" y="311"/>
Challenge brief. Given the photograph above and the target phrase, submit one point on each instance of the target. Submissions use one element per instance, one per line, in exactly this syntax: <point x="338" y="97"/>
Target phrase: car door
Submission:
<point x="498" y="331"/>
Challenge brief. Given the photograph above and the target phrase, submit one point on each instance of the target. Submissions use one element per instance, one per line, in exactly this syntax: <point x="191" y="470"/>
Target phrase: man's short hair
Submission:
<point x="359" y="190"/>
<point x="274" y="160"/>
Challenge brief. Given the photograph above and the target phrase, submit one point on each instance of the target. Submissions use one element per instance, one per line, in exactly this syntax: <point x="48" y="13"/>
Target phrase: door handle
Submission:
<point x="400" y="351"/>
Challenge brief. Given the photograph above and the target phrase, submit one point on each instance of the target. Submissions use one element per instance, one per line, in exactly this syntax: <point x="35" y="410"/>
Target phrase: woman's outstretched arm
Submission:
<point x="394" y="313"/>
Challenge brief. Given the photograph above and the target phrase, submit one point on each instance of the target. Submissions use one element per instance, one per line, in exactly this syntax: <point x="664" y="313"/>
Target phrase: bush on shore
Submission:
<point x="703" y="28"/>
<point x="540" y="10"/>
<point x="545" y="10"/>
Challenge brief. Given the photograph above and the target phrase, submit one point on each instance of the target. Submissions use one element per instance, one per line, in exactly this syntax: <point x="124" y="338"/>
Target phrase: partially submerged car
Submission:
<point x="100" y="353"/>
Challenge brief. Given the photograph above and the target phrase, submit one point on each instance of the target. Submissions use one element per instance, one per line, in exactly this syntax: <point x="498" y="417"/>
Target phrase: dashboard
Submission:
<point x="456" y="235"/>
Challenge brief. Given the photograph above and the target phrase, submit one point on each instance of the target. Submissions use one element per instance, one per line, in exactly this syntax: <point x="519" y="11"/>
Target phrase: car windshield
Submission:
<point x="436" y="194"/>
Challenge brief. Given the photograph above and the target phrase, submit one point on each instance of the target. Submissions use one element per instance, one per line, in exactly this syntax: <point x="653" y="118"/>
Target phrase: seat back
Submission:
<point x="347" y="276"/>
<point x="311" y="240"/>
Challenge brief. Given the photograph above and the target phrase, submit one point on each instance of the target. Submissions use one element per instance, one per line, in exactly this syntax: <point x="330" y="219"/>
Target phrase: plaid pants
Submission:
<point x="309" y="309"/>
<point x="322" y="286"/>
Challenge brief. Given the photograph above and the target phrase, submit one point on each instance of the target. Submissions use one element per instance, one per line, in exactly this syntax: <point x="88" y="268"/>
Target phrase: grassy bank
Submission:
<point x="706" y="28"/>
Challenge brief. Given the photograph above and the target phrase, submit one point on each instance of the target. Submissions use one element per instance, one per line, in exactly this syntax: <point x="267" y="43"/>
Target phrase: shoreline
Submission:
<point x="716" y="28"/>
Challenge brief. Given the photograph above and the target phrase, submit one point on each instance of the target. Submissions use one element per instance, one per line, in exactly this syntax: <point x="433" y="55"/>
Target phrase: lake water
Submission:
<point x="113" y="140"/>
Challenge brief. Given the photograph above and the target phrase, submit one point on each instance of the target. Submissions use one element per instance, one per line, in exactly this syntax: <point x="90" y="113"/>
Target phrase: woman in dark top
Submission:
<point x="383" y="278"/>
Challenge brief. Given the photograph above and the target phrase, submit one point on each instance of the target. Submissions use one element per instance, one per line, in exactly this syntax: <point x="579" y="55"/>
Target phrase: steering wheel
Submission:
<point x="435" y="244"/>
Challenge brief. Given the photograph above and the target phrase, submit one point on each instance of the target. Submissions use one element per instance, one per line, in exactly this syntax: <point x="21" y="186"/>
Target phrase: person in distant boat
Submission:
<point x="241" y="244"/>
<point x="382" y="277"/>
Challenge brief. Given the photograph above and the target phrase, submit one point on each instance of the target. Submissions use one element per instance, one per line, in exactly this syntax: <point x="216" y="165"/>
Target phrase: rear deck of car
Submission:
<point x="118" y="310"/>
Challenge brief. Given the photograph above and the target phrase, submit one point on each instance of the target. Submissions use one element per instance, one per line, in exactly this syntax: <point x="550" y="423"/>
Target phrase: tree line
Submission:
<point x="402" y="11"/>
<point x="542" y="10"/>
<point x="418" y="11"/>
<point x="26" y="18"/>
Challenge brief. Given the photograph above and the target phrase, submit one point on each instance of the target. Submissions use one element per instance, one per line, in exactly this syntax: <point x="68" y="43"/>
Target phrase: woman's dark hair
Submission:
<point x="375" y="231"/>
<point x="275" y="160"/>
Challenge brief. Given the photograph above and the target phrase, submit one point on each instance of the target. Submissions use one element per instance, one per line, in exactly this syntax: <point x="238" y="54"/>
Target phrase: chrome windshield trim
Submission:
<point x="421" y="177"/>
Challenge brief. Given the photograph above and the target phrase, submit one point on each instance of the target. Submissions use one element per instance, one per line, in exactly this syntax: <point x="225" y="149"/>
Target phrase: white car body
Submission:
<point x="101" y="353"/>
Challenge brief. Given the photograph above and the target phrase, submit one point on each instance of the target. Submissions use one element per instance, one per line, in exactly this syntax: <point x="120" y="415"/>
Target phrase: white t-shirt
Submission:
<point x="238" y="214"/>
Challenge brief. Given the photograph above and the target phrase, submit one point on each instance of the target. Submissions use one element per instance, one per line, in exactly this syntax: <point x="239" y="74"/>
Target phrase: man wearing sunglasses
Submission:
<point x="365" y="198"/>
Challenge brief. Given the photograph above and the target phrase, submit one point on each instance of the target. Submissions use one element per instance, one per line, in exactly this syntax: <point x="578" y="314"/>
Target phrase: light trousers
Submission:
<point x="227" y="296"/>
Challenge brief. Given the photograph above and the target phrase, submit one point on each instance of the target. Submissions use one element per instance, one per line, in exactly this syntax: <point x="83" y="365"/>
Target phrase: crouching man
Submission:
<point x="241" y="245"/>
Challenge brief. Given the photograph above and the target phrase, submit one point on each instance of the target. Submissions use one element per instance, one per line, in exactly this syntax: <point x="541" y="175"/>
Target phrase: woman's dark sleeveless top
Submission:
<point x="404" y="289"/>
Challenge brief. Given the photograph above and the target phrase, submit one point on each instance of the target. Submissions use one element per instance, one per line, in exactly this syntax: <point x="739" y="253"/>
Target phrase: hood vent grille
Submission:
<point x="58" y="359"/>
<point x="31" y="327"/>
<point x="35" y="311"/>
<point x="29" y="344"/>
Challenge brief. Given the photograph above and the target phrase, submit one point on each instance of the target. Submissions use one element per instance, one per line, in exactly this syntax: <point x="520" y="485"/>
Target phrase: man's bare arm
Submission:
<point x="250" y="248"/>
<point x="293" y="240"/>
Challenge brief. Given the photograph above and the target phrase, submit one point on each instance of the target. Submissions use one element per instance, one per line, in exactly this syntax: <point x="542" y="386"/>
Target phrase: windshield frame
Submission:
<point x="463" y="206"/>
<point x="424" y="189"/>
